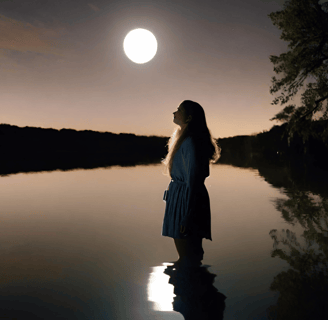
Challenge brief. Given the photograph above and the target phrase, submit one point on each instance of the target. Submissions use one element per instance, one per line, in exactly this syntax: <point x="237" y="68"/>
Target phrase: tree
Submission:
<point x="304" y="24"/>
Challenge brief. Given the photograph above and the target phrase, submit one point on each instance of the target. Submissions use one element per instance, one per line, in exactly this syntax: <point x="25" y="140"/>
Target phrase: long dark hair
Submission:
<point x="197" y="129"/>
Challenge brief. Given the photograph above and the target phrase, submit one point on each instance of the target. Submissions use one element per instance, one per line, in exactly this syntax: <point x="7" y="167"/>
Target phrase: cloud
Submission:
<point x="22" y="36"/>
<point x="9" y="65"/>
<point x="281" y="2"/>
<point x="93" y="7"/>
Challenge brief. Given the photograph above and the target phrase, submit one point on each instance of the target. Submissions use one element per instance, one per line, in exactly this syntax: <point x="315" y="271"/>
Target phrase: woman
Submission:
<point x="191" y="148"/>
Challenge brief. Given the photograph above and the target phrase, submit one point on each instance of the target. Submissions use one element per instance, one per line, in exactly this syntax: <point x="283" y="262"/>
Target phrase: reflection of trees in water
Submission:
<point x="304" y="287"/>
<point x="196" y="297"/>
<point x="304" y="208"/>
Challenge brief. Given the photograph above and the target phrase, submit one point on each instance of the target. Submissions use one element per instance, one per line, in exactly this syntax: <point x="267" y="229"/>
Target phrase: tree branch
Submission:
<point x="316" y="107"/>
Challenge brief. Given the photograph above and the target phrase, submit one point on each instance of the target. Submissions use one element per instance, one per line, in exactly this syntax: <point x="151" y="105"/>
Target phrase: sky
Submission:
<point x="63" y="65"/>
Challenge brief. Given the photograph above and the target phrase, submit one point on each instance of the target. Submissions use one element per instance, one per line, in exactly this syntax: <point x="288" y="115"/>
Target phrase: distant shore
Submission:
<point x="35" y="149"/>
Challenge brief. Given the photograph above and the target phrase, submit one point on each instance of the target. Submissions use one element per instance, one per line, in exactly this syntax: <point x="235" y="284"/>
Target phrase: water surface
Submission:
<point x="87" y="244"/>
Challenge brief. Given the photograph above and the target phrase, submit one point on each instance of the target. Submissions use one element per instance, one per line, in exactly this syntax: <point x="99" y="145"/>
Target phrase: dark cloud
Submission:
<point x="47" y="11"/>
<point x="93" y="7"/>
<point x="23" y="36"/>
<point x="280" y="2"/>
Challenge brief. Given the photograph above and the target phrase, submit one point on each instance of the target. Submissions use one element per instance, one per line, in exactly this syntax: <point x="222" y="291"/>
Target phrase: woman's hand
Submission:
<point x="184" y="231"/>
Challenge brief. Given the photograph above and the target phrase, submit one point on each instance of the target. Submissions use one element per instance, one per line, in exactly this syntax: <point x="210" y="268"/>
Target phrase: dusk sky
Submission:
<point x="63" y="65"/>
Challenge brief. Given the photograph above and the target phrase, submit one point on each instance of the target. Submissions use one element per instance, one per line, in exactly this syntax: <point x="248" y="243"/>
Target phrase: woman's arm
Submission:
<point x="193" y="167"/>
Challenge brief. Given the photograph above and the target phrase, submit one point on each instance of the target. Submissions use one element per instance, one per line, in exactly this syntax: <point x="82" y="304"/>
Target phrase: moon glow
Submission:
<point x="140" y="45"/>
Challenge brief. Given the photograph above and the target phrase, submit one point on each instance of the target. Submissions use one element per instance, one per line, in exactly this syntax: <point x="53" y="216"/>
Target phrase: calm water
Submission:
<point x="87" y="244"/>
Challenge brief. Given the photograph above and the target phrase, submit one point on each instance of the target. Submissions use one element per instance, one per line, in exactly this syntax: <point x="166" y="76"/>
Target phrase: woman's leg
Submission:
<point x="181" y="245"/>
<point x="196" y="248"/>
<point x="190" y="247"/>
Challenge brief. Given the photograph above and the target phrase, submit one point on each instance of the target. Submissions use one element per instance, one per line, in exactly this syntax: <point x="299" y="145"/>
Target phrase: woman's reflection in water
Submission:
<point x="196" y="297"/>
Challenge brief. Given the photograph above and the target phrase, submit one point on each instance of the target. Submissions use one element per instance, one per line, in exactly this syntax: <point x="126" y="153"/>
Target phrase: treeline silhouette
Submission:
<point x="37" y="149"/>
<point x="272" y="147"/>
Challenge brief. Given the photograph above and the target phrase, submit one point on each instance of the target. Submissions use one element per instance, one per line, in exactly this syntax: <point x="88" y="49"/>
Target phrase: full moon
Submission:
<point x="140" y="45"/>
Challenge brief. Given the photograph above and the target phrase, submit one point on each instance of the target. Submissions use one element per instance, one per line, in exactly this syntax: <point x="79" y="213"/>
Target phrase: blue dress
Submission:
<point x="187" y="199"/>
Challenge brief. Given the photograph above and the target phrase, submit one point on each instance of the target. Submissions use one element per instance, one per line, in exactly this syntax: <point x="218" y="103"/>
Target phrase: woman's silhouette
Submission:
<point x="191" y="148"/>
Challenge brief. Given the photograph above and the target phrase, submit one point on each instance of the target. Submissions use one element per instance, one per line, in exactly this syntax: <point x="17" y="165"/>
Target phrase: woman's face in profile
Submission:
<point x="179" y="116"/>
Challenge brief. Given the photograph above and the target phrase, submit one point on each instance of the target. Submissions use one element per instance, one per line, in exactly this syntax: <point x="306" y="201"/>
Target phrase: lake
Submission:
<point x="87" y="244"/>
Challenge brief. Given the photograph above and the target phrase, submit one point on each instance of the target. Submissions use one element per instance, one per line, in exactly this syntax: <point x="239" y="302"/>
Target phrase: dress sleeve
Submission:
<point x="193" y="166"/>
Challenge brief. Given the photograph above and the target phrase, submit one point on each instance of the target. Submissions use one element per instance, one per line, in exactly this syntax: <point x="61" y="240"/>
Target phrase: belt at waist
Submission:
<point x="177" y="181"/>
<point x="167" y="190"/>
<point x="182" y="182"/>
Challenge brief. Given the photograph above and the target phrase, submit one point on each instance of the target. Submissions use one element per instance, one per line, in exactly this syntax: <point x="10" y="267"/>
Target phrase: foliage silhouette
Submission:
<point x="304" y="24"/>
